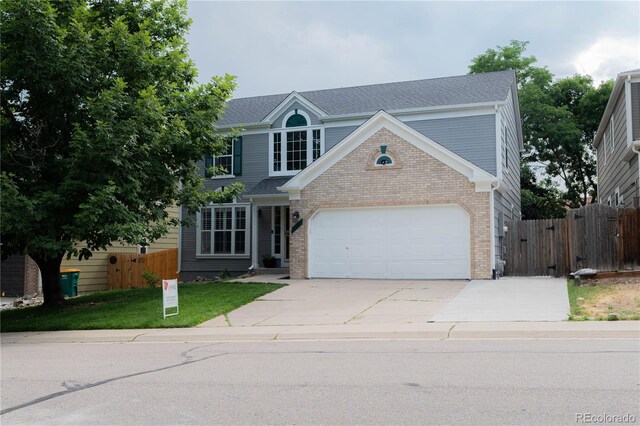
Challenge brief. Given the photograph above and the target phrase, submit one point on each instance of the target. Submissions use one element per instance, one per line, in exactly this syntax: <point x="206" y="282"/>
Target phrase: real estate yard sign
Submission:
<point x="169" y="297"/>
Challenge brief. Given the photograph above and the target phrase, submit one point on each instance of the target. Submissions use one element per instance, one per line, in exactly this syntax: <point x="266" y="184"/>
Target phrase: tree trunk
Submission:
<point x="50" y="271"/>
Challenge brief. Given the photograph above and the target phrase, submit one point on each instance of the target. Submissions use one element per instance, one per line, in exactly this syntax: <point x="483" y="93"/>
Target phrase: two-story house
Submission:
<point x="617" y="143"/>
<point x="401" y="180"/>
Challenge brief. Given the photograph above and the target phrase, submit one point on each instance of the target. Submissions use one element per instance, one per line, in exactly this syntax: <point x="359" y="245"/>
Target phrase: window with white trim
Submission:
<point x="296" y="145"/>
<point x="224" y="160"/>
<point x="228" y="162"/>
<point x="223" y="230"/>
<point x="506" y="148"/>
<point x="609" y="200"/>
<point x="617" y="197"/>
<point x="612" y="141"/>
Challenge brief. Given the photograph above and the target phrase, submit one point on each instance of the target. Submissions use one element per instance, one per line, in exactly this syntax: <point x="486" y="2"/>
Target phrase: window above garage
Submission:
<point x="296" y="145"/>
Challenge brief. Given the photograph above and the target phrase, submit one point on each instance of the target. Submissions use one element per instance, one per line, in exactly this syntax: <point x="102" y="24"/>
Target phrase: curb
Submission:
<point x="431" y="331"/>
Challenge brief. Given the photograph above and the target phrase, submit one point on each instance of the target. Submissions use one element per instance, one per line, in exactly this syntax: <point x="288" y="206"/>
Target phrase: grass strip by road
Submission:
<point x="601" y="302"/>
<point x="136" y="308"/>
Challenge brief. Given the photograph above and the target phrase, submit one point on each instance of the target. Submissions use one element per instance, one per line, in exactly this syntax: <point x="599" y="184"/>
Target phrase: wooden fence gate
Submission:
<point x="594" y="236"/>
<point x="536" y="247"/>
<point x="125" y="269"/>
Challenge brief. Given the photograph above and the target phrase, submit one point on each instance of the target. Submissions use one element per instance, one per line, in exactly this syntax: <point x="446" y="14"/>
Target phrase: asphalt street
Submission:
<point x="331" y="382"/>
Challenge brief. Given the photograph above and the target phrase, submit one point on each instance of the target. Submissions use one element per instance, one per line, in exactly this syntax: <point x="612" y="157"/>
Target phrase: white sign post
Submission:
<point x="169" y="297"/>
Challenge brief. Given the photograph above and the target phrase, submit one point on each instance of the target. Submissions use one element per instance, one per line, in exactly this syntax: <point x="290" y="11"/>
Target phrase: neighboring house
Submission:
<point x="617" y="143"/>
<point x="21" y="275"/>
<point x="401" y="180"/>
<point x="93" y="271"/>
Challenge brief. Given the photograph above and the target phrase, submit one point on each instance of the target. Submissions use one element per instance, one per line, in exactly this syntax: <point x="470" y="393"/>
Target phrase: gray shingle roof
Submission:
<point x="433" y="92"/>
<point x="268" y="186"/>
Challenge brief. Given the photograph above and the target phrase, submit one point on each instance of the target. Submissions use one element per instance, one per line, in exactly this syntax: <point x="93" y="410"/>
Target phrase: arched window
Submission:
<point x="296" y="145"/>
<point x="296" y="120"/>
<point x="384" y="160"/>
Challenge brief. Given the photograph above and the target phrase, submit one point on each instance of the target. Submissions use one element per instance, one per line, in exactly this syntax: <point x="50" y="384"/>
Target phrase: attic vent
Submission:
<point x="384" y="160"/>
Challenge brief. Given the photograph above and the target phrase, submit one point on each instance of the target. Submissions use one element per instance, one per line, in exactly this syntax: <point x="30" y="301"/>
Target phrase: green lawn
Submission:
<point x="136" y="308"/>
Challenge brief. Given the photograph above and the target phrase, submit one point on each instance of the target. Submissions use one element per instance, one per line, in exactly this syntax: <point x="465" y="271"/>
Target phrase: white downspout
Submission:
<point x="497" y="184"/>
<point x="635" y="147"/>
<point x="254" y="236"/>
<point x="179" y="235"/>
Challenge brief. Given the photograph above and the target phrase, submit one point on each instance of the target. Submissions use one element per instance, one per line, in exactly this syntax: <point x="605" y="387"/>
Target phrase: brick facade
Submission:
<point x="415" y="179"/>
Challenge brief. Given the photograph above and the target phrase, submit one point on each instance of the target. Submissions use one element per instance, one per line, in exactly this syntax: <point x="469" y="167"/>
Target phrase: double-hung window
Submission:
<point x="506" y="148"/>
<point x="223" y="230"/>
<point x="296" y="145"/>
<point x="228" y="162"/>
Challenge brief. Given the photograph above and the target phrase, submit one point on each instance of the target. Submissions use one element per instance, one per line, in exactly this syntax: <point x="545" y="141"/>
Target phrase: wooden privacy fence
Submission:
<point x="594" y="236"/>
<point x="125" y="269"/>
<point x="629" y="220"/>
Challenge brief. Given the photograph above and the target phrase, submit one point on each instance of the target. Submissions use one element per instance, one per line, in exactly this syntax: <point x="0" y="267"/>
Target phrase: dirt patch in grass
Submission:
<point x="606" y="298"/>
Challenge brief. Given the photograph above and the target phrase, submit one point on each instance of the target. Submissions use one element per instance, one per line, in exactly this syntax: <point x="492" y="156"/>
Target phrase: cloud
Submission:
<point x="348" y="57"/>
<point x="280" y="47"/>
<point x="277" y="47"/>
<point x="607" y="56"/>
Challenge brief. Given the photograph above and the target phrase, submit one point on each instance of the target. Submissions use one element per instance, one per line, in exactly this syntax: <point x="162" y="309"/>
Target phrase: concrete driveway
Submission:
<point x="509" y="299"/>
<point x="336" y="302"/>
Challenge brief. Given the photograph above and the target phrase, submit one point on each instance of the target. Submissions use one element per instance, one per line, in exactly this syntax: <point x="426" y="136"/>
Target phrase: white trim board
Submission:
<point x="290" y="100"/>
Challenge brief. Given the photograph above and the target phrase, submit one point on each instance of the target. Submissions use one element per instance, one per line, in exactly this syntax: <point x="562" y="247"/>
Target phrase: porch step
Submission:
<point x="272" y="271"/>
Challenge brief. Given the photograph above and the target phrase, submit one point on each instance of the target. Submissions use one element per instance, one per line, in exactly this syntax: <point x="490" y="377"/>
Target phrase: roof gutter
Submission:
<point x="615" y="93"/>
<point x="411" y="111"/>
<point x="247" y="126"/>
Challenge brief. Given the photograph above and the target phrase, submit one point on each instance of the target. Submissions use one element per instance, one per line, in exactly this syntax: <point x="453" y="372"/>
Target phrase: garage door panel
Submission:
<point x="367" y="270"/>
<point x="405" y="242"/>
<point x="363" y="251"/>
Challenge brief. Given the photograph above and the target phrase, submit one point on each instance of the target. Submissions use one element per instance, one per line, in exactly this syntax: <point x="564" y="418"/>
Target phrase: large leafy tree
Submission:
<point x="559" y="121"/>
<point x="102" y="126"/>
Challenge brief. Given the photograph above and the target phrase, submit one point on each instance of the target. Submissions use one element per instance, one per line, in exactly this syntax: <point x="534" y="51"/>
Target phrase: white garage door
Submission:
<point x="427" y="242"/>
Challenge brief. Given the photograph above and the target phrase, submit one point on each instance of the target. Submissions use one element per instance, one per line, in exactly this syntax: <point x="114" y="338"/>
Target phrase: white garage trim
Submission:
<point x="399" y="242"/>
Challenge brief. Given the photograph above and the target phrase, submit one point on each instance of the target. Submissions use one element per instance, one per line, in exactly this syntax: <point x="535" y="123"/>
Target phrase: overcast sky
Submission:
<point x="278" y="47"/>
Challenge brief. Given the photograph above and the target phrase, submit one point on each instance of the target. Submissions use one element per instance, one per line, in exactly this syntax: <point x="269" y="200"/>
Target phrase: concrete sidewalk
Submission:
<point x="441" y="331"/>
<point x="509" y="299"/>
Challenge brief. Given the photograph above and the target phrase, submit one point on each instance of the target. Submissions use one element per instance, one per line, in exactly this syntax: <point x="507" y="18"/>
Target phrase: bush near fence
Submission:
<point x="594" y="236"/>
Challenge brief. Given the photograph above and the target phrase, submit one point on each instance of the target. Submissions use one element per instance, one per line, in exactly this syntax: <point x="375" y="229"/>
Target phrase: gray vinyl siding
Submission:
<point x="635" y="110"/>
<point x="255" y="167"/>
<point x="333" y="135"/>
<point x="277" y="123"/>
<point x="613" y="171"/>
<point x="507" y="201"/>
<point x="472" y="138"/>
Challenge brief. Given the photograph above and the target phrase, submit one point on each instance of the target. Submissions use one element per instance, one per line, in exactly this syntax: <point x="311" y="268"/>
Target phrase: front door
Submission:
<point x="281" y="227"/>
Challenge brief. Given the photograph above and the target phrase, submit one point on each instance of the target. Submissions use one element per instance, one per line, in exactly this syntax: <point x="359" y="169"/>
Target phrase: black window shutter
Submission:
<point x="208" y="163"/>
<point x="237" y="156"/>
